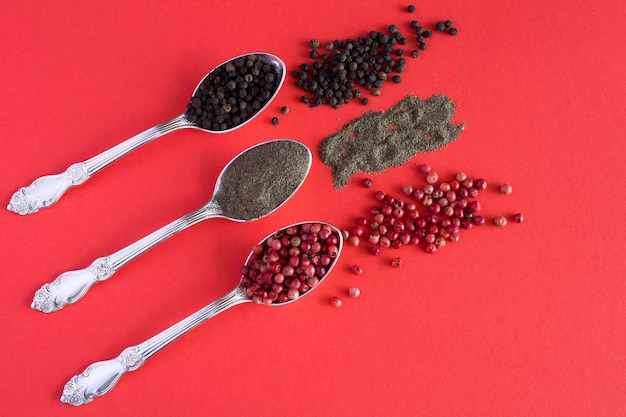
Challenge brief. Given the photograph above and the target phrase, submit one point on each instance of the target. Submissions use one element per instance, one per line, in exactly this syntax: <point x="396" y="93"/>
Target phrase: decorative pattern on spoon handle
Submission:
<point x="100" y="377"/>
<point x="69" y="287"/>
<point x="46" y="191"/>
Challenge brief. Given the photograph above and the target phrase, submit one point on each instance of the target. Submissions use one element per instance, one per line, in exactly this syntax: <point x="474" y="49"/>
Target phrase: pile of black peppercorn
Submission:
<point x="345" y="68"/>
<point x="233" y="93"/>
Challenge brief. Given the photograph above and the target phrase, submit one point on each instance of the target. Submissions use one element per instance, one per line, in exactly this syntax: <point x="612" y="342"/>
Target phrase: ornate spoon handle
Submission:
<point x="70" y="287"/>
<point x="47" y="190"/>
<point x="100" y="377"/>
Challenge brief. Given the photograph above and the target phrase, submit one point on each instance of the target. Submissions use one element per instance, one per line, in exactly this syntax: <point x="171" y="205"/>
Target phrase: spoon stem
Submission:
<point x="47" y="190"/>
<point x="100" y="377"/>
<point x="105" y="158"/>
<point x="71" y="286"/>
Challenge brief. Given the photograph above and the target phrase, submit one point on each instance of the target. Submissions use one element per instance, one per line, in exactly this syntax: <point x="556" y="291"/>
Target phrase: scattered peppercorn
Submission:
<point x="314" y="43"/>
<point x="357" y="270"/>
<point x="354" y="292"/>
<point x="284" y="110"/>
<point x="452" y="31"/>
<point x="396" y="262"/>
<point x="441" y="26"/>
<point x="335" y="302"/>
<point x="367" y="183"/>
<point x="506" y="189"/>
<point x="396" y="79"/>
<point x="411" y="8"/>
<point x="500" y="221"/>
<point x="415" y="53"/>
<point x="518" y="218"/>
<point x="364" y="101"/>
<point x="274" y="120"/>
<point x="448" y="23"/>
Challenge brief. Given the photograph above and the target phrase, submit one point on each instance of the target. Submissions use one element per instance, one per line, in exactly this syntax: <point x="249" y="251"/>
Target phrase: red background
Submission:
<point x="525" y="320"/>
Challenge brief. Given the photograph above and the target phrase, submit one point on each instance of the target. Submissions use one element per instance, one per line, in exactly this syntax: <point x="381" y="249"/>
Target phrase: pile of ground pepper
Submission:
<point x="379" y="140"/>
<point x="262" y="178"/>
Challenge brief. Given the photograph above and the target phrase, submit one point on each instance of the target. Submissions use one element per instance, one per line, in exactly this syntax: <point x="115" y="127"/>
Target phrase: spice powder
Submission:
<point x="262" y="178"/>
<point x="379" y="140"/>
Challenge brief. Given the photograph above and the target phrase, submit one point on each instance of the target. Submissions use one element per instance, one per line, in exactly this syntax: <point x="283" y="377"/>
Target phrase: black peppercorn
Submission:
<point x="448" y="23"/>
<point x="274" y="120"/>
<point x="284" y="110"/>
<point x="396" y="79"/>
<point x="393" y="29"/>
<point x="422" y="46"/>
<point x="427" y="33"/>
<point x="411" y="8"/>
<point x="452" y="31"/>
<point x="441" y="26"/>
<point x="314" y="43"/>
<point x="314" y="54"/>
<point x="414" y="24"/>
<point x="415" y="53"/>
<point x="364" y="101"/>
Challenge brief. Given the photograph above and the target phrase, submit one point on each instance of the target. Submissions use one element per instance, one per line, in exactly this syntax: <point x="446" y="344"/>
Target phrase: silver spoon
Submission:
<point x="100" y="377"/>
<point x="47" y="190"/>
<point x="254" y="175"/>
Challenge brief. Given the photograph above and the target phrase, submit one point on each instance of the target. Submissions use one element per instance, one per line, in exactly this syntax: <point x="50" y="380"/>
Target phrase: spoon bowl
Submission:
<point x="100" y="377"/>
<point x="252" y="185"/>
<point x="214" y="107"/>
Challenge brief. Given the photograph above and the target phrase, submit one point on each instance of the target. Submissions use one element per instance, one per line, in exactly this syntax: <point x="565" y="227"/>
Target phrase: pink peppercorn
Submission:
<point x="424" y="168"/>
<point x="396" y="262"/>
<point x="357" y="270"/>
<point x="518" y="218"/>
<point x="500" y="221"/>
<point x="506" y="189"/>
<point x="354" y="292"/>
<point x="335" y="302"/>
<point x="432" y="177"/>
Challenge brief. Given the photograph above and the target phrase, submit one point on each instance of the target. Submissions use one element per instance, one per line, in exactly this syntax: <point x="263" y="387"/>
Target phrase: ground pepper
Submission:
<point x="261" y="179"/>
<point x="379" y="140"/>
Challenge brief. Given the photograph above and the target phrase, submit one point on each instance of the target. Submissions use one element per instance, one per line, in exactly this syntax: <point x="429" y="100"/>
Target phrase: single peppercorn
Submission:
<point x="354" y="292"/>
<point x="335" y="302"/>
<point x="452" y="31"/>
<point x="518" y="218"/>
<point x="415" y="53"/>
<point x="411" y="8"/>
<point x="357" y="270"/>
<point x="367" y="182"/>
<point x="427" y="34"/>
<point x="448" y="23"/>
<point x="500" y="221"/>
<point x="364" y="101"/>
<point x="314" y="43"/>
<point x="284" y="110"/>
<point x="441" y="26"/>
<point x="396" y="79"/>
<point x="396" y="262"/>
<point x="422" y="46"/>
<point x="274" y="120"/>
